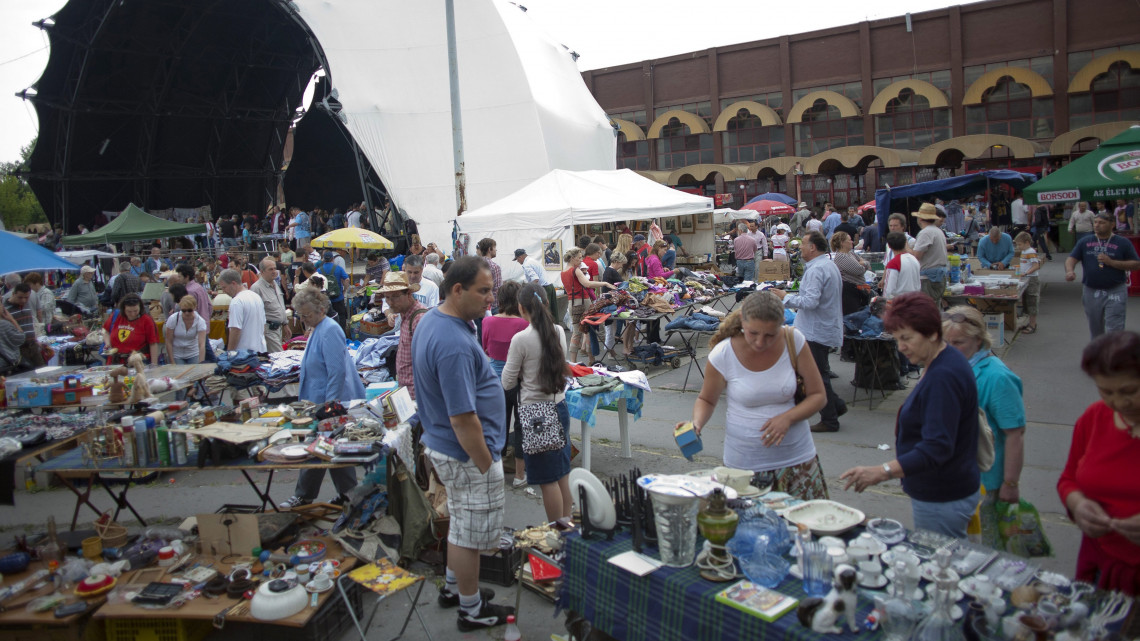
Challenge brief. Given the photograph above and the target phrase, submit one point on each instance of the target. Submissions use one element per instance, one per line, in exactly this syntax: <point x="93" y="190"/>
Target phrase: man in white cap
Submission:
<point x="82" y="293"/>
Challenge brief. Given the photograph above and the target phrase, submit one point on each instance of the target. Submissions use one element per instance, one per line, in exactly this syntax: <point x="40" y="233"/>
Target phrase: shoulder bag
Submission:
<point x="541" y="428"/>
<point x="789" y="338"/>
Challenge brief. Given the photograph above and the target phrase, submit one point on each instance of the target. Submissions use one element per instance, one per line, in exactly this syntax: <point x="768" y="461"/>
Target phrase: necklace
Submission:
<point x="1123" y="425"/>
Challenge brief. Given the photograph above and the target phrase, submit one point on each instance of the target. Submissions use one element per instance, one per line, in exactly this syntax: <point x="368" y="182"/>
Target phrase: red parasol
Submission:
<point x="865" y="206"/>
<point x="769" y="208"/>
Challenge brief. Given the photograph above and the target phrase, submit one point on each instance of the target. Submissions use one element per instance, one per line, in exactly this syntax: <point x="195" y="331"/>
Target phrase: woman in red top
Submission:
<point x="130" y="330"/>
<point x="498" y="330"/>
<point x="1096" y="486"/>
<point x="577" y="286"/>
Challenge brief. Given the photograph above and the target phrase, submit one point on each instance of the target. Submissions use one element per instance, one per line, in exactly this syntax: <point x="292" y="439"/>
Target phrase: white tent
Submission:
<point x="548" y="208"/>
<point x="526" y="109"/>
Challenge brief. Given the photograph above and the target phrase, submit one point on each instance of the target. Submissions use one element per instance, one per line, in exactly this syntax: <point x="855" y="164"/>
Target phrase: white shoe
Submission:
<point x="517" y="482"/>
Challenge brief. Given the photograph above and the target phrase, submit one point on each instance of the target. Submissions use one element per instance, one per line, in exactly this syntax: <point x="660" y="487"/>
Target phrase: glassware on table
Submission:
<point x="676" y="520"/>
<point x="817" y="569"/>
<point x="940" y="625"/>
<point x="764" y="566"/>
<point x="900" y="616"/>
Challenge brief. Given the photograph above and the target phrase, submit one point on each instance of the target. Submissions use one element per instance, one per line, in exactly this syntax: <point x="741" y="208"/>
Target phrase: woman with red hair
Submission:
<point x="1096" y="486"/>
<point x="936" y="433"/>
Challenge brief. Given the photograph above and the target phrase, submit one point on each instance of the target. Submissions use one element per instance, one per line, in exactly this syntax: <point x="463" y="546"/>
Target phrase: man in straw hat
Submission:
<point x="930" y="250"/>
<point x="397" y="292"/>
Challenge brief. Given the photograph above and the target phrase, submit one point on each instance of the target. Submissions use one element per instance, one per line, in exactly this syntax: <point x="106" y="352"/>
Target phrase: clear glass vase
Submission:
<point x="940" y="625"/>
<point x="900" y="616"/>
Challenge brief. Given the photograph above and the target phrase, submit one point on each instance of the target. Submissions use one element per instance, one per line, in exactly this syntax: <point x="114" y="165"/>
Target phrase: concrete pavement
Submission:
<point x="1055" y="391"/>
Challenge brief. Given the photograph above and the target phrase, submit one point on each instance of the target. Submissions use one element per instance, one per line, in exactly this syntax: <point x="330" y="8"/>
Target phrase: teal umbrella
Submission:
<point x="21" y="255"/>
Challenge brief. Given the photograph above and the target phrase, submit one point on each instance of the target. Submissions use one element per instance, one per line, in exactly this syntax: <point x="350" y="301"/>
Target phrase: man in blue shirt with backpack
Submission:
<point x="337" y="280"/>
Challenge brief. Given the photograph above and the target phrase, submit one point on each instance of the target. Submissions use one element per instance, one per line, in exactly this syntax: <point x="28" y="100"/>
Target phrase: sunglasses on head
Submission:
<point x="958" y="317"/>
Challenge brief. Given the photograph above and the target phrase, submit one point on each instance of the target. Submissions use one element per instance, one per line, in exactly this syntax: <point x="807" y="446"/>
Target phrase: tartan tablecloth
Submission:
<point x="671" y="603"/>
<point x="585" y="408"/>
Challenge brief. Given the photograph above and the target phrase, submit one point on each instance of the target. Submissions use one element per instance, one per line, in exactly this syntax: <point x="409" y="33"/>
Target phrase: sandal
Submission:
<point x="1032" y="329"/>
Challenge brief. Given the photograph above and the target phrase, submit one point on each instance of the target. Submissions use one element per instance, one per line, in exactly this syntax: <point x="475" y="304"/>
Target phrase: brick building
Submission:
<point x="834" y="114"/>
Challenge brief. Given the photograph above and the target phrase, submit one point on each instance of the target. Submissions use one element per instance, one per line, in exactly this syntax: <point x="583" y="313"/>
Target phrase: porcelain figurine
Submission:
<point x="822" y="614"/>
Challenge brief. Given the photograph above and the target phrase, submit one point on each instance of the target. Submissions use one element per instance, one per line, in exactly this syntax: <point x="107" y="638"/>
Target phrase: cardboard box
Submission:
<point x="35" y="395"/>
<point x="773" y="270"/>
<point x="995" y="325"/>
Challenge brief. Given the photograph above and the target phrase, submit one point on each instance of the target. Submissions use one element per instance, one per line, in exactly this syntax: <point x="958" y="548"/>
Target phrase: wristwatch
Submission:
<point x="887" y="469"/>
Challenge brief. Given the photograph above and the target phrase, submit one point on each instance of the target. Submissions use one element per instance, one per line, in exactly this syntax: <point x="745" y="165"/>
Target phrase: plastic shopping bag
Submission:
<point x="1021" y="530"/>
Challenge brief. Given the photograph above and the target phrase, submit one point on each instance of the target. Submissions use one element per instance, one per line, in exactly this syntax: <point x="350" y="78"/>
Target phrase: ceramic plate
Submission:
<point x="753" y="492"/>
<point x="930" y="570"/>
<point x="970" y="587"/>
<point x="313" y="590"/>
<point x="294" y="451"/>
<point x="602" y="511"/>
<point x="681" y="485"/>
<point x="877" y="585"/>
<point x="825" y="517"/>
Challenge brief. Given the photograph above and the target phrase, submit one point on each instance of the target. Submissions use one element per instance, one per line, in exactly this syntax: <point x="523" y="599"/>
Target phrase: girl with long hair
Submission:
<point x="498" y="330"/>
<point x="536" y="362"/>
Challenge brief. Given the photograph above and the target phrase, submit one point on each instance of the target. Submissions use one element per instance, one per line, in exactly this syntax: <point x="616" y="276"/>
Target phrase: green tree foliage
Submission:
<point x="18" y="205"/>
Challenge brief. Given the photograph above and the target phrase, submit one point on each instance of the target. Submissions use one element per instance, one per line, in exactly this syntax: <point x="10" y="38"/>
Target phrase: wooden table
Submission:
<point x="17" y="624"/>
<point x="203" y="610"/>
<point x="988" y="304"/>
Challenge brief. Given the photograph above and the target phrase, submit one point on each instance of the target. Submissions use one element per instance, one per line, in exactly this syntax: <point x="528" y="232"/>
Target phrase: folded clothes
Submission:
<point x="696" y="322"/>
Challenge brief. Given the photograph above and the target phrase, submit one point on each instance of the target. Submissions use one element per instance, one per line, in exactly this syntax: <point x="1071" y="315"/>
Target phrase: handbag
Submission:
<point x="986" y="453"/>
<point x="801" y="393"/>
<point x="541" y="428"/>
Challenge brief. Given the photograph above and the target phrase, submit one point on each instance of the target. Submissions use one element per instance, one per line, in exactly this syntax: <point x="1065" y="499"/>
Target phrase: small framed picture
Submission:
<point x="703" y="220"/>
<point x="596" y="228"/>
<point x="552" y="253"/>
<point x="685" y="224"/>
<point x="669" y="225"/>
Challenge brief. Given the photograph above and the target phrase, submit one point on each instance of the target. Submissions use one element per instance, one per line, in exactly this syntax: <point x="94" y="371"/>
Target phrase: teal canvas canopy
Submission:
<point x="1109" y="172"/>
<point x="134" y="224"/>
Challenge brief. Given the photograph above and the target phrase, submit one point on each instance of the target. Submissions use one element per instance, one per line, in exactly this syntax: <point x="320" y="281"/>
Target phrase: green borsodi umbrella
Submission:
<point x="1109" y="172"/>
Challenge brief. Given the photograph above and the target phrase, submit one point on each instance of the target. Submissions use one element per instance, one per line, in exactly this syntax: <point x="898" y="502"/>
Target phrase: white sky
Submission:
<point x="599" y="30"/>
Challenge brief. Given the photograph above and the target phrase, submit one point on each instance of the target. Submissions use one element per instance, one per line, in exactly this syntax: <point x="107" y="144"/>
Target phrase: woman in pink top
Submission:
<point x="653" y="268"/>
<point x="498" y="330"/>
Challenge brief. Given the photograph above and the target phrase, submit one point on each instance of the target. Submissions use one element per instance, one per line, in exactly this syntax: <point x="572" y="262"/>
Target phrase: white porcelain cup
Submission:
<point x="858" y="553"/>
<point x="872" y="571"/>
<point x="983" y="586"/>
<point x="302" y="573"/>
<point x="322" y="581"/>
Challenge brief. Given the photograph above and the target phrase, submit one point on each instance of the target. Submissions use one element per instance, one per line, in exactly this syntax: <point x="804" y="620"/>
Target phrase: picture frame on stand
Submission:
<point x="685" y="224"/>
<point x="552" y="253"/>
<point x="669" y="225"/>
<point x="703" y="220"/>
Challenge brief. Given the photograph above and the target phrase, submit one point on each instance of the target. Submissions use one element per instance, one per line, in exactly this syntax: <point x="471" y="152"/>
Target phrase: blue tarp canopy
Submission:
<point x="907" y="198"/>
<point x="25" y="256"/>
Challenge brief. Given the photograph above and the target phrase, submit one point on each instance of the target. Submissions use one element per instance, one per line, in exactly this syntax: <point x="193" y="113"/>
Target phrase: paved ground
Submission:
<point x="1056" y="392"/>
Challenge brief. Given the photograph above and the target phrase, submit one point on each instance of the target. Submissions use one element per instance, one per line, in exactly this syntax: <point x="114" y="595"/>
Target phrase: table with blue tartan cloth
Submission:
<point x="671" y="603"/>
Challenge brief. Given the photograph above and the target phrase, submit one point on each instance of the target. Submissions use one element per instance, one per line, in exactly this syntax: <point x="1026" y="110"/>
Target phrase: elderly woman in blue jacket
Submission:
<point x="327" y="374"/>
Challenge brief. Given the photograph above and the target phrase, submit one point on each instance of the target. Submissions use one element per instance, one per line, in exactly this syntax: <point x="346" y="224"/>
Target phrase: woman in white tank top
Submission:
<point x="766" y="431"/>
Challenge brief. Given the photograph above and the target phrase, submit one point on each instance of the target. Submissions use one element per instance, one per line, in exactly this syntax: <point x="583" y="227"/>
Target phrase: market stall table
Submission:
<point x="72" y="465"/>
<point x="17" y="624"/>
<point x="987" y="304"/>
<point x="203" y="613"/>
<point x="670" y="603"/>
<point x="622" y="399"/>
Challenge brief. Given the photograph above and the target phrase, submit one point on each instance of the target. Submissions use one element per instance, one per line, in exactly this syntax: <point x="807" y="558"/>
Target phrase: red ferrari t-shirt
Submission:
<point x="131" y="336"/>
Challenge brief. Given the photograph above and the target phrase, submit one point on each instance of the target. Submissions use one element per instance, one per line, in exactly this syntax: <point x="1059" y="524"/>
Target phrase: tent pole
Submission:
<point x="456" y="111"/>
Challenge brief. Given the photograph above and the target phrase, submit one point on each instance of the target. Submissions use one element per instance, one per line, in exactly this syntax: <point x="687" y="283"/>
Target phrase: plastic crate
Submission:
<point x="501" y="568"/>
<point x="156" y="629"/>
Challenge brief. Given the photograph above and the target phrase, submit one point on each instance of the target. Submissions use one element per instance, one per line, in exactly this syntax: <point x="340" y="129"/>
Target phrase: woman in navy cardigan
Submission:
<point x="936" y="435"/>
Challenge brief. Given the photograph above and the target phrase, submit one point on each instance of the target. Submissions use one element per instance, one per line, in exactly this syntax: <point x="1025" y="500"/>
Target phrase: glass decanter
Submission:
<point x="940" y="625"/>
<point x="900" y="616"/>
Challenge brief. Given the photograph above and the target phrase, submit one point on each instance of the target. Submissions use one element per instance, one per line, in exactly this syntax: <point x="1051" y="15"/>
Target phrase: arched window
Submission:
<point x="677" y="147"/>
<point x="823" y="128"/>
<point x="1114" y="96"/>
<point x="1009" y="108"/>
<point x="632" y="154"/>
<point x="748" y="140"/>
<point x="910" y="123"/>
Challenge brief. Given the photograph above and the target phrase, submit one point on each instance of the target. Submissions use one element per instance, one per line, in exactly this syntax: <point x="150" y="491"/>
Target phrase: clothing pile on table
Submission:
<point x="282" y="369"/>
<point x="237" y="369"/>
<point x="375" y="358"/>
<point x="594" y="387"/>
<point x="697" y="322"/>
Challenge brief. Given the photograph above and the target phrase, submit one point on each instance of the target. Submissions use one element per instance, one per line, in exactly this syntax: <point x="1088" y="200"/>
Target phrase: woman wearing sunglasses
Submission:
<point x="186" y="334"/>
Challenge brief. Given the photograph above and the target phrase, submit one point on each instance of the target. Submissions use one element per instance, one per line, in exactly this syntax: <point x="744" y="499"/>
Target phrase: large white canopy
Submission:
<point x="525" y="107"/>
<point x="548" y="208"/>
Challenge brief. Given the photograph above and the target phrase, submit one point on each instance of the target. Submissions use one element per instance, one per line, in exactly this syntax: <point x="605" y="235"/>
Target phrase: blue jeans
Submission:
<point x="746" y="268"/>
<point x="949" y="518"/>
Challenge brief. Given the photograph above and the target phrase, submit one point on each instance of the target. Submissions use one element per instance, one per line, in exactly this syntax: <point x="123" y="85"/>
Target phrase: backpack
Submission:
<point x="642" y="255"/>
<point x="333" y="282"/>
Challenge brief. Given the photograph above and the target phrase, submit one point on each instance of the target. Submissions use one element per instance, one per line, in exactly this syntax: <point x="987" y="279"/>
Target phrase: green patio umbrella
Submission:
<point x="1109" y="172"/>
